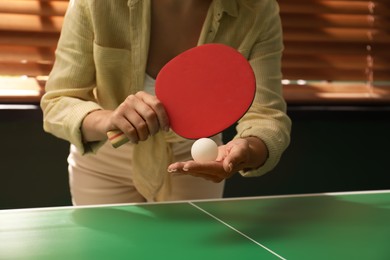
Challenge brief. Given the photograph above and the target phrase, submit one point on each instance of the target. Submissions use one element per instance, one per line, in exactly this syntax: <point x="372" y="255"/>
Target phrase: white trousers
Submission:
<point x="105" y="177"/>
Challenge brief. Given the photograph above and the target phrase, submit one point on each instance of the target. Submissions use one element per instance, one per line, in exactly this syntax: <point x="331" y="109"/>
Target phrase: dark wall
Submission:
<point x="33" y="167"/>
<point x="332" y="149"/>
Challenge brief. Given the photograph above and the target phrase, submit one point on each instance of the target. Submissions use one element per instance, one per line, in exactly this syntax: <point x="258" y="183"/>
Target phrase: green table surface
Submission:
<point x="354" y="225"/>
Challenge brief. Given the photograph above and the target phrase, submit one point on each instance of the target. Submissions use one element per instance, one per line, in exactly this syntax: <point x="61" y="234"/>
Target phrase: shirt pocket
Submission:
<point x="113" y="77"/>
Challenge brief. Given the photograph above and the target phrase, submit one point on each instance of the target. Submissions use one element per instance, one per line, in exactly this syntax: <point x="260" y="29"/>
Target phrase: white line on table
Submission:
<point x="239" y="232"/>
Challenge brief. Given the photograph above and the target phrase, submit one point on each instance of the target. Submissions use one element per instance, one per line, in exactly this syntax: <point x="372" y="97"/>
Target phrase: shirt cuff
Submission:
<point x="73" y="122"/>
<point x="272" y="144"/>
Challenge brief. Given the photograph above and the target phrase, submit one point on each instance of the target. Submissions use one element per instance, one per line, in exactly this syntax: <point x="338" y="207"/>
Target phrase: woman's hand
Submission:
<point x="238" y="154"/>
<point x="138" y="117"/>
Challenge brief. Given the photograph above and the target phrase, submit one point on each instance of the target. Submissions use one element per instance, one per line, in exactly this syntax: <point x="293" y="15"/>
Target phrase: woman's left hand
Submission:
<point x="236" y="155"/>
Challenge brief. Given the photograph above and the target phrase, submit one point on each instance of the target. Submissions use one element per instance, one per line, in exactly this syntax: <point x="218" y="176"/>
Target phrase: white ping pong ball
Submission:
<point x="204" y="150"/>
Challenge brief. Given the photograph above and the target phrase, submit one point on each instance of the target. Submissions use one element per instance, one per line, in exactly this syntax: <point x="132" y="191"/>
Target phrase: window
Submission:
<point x="29" y="31"/>
<point x="335" y="51"/>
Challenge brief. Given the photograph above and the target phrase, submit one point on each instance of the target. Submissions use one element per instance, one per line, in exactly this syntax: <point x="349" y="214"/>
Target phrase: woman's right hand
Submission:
<point x="138" y="116"/>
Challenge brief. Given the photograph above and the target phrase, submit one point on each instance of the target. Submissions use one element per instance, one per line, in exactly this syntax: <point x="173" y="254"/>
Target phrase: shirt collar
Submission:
<point x="132" y="2"/>
<point x="228" y="6"/>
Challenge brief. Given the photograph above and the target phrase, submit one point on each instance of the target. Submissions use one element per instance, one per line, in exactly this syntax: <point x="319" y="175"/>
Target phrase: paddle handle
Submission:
<point x="117" y="138"/>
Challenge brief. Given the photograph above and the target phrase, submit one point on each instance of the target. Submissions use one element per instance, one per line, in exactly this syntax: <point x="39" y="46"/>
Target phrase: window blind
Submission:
<point x="335" y="50"/>
<point x="29" y="32"/>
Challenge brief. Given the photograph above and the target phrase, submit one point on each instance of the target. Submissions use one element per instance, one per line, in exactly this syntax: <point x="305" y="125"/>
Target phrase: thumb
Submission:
<point x="233" y="160"/>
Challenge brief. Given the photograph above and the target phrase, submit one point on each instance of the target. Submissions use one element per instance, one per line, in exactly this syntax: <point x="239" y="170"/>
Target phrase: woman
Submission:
<point x="107" y="58"/>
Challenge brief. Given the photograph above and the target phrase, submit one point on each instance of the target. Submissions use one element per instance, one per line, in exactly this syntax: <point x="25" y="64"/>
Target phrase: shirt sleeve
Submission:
<point x="267" y="118"/>
<point x="70" y="88"/>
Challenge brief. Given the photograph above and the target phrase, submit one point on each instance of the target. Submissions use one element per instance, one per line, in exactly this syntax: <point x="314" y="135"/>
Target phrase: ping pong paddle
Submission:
<point x="204" y="90"/>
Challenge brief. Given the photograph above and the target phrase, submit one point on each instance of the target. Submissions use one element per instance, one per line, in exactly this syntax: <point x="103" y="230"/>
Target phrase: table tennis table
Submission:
<point x="346" y="225"/>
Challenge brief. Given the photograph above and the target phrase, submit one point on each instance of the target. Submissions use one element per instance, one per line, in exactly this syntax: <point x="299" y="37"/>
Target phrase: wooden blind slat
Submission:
<point x="20" y="54"/>
<point x="326" y="20"/>
<point x="339" y="48"/>
<point x="41" y="8"/>
<point x="30" y="69"/>
<point x="329" y="35"/>
<point x="325" y="61"/>
<point x="30" y="23"/>
<point x="310" y="74"/>
<point x="321" y="7"/>
<point x="29" y="39"/>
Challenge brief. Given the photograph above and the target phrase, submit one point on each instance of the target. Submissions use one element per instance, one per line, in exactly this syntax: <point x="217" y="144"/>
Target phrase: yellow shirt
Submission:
<point x="101" y="59"/>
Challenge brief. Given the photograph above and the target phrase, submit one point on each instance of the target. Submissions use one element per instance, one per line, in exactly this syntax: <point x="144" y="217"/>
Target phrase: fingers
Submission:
<point x="155" y="110"/>
<point x="140" y="116"/>
<point x="212" y="171"/>
<point x="234" y="160"/>
<point x="236" y="155"/>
